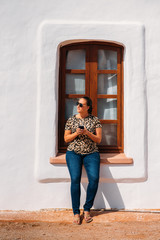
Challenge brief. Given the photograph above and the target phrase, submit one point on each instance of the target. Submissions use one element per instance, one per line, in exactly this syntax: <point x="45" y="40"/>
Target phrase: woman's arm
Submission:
<point x="69" y="136"/>
<point x="94" y="137"/>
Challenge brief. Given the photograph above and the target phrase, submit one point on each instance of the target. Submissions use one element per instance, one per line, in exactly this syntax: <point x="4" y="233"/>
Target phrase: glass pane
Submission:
<point x="107" y="83"/>
<point x="109" y="134"/>
<point x="107" y="108"/>
<point x="70" y="108"/>
<point x="75" y="59"/>
<point x="75" y="83"/>
<point x="107" y="60"/>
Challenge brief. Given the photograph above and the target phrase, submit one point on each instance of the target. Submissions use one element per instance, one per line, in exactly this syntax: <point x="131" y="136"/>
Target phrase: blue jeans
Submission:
<point x="92" y="164"/>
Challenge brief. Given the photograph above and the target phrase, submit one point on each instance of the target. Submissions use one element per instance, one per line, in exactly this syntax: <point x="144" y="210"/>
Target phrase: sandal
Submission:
<point x="87" y="217"/>
<point x="77" y="219"/>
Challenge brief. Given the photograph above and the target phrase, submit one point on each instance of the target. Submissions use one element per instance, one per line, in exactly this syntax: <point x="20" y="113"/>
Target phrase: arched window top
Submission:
<point x="89" y="41"/>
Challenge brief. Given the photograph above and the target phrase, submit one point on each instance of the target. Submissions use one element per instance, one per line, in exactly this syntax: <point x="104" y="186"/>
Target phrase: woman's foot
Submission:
<point x="77" y="219"/>
<point x="87" y="217"/>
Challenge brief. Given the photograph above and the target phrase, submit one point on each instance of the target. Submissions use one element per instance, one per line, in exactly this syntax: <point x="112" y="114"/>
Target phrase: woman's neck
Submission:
<point x="82" y="115"/>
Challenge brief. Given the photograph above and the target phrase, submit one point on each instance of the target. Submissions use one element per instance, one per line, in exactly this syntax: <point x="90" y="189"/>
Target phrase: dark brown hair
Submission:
<point x="89" y="103"/>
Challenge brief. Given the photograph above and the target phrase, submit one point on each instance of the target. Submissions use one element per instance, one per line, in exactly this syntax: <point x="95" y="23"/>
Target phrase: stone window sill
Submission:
<point x="106" y="158"/>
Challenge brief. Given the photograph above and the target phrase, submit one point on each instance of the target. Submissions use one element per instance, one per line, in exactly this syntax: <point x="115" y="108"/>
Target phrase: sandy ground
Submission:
<point x="57" y="225"/>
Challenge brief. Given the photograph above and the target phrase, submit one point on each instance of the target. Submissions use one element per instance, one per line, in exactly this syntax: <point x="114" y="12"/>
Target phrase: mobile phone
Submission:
<point x="81" y="127"/>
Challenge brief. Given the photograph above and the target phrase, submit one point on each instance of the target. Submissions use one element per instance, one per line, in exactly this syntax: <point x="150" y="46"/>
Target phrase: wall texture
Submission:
<point x="31" y="32"/>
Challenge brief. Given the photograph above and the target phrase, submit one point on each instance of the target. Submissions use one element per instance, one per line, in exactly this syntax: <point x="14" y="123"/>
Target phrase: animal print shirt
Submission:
<point x="82" y="144"/>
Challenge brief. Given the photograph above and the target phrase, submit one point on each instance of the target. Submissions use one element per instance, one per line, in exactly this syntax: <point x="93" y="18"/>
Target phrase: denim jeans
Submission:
<point x="91" y="163"/>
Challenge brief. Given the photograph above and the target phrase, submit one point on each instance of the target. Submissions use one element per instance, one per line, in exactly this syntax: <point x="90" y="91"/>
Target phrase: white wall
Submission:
<point x="30" y="32"/>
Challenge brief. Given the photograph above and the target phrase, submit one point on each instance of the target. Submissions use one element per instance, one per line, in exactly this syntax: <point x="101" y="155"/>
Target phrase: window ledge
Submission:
<point x="106" y="158"/>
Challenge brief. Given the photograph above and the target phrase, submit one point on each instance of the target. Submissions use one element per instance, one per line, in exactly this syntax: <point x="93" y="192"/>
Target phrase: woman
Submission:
<point x="83" y="131"/>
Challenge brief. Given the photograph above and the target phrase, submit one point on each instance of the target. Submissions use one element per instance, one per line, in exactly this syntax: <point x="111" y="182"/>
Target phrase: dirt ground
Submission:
<point x="57" y="225"/>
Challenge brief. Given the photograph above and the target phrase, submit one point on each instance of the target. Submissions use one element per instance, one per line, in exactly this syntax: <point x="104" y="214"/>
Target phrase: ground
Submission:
<point x="57" y="225"/>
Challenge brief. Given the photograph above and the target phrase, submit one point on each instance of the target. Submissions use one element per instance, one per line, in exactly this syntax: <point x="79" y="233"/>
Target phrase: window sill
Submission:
<point x="106" y="158"/>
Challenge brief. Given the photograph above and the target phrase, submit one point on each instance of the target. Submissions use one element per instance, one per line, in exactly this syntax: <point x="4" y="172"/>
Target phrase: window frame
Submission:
<point x="91" y="70"/>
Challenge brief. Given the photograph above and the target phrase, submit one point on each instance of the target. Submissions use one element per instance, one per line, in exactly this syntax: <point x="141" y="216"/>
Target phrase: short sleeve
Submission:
<point x="98" y="124"/>
<point x="68" y="124"/>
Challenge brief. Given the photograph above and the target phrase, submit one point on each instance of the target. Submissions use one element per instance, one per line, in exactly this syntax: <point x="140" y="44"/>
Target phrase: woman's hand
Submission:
<point x="94" y="137"/>
<point x="69" y="136"/>
<point x="79" y="131"/>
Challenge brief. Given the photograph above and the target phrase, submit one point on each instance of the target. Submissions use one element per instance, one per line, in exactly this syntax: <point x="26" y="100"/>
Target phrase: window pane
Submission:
<point x="70" y="108"/>
<point x="107" y="60"/>
<point x="75" y="83"/>
<point x="107" y="108"/>
<point x="107" y="83"/>
<point x="75" y="59"/>
<point x="109" y="134"/>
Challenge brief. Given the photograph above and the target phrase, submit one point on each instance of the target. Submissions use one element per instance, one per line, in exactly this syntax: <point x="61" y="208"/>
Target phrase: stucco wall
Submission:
<point x="31" y="32"/>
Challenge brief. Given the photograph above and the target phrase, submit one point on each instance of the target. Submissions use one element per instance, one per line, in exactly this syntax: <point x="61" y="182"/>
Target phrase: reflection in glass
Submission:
<point x="107" y="83"/>
<point x="75" y="83"/>
<point x="75" y="59"/>
<point x="70" y="108"/>
<point x="109" y="134"/>
<point x="107" y="108"/>
<point x="107" y="60"/>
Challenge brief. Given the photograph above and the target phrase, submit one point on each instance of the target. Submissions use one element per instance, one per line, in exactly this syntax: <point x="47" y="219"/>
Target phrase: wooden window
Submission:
<point x="94" y="69"/>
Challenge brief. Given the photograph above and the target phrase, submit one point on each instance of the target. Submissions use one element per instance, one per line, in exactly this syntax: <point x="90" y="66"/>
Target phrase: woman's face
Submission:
<point x="84" y="108"/>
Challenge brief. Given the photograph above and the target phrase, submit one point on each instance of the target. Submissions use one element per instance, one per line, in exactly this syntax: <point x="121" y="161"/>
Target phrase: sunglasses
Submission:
<point x="80" y="104"/>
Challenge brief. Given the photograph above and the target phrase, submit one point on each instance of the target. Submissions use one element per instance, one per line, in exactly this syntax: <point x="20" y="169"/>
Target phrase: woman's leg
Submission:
<point x="74" y="163"/>
<point x="92" y="166"/>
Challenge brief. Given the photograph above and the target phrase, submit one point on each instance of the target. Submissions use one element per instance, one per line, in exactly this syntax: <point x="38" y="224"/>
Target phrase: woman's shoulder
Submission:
<point x="70" y="121"/>
<point x="96" y="121"/>
<point x="71" y="118"/>
<point x="93" y="117"/>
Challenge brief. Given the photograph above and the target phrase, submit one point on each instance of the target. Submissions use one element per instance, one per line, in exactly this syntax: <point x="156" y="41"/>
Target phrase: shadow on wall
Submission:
<point x="107" y="192"/>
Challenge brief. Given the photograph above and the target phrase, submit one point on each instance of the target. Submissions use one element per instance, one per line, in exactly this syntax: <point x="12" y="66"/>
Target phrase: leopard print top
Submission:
<point x="82" y="144"/>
